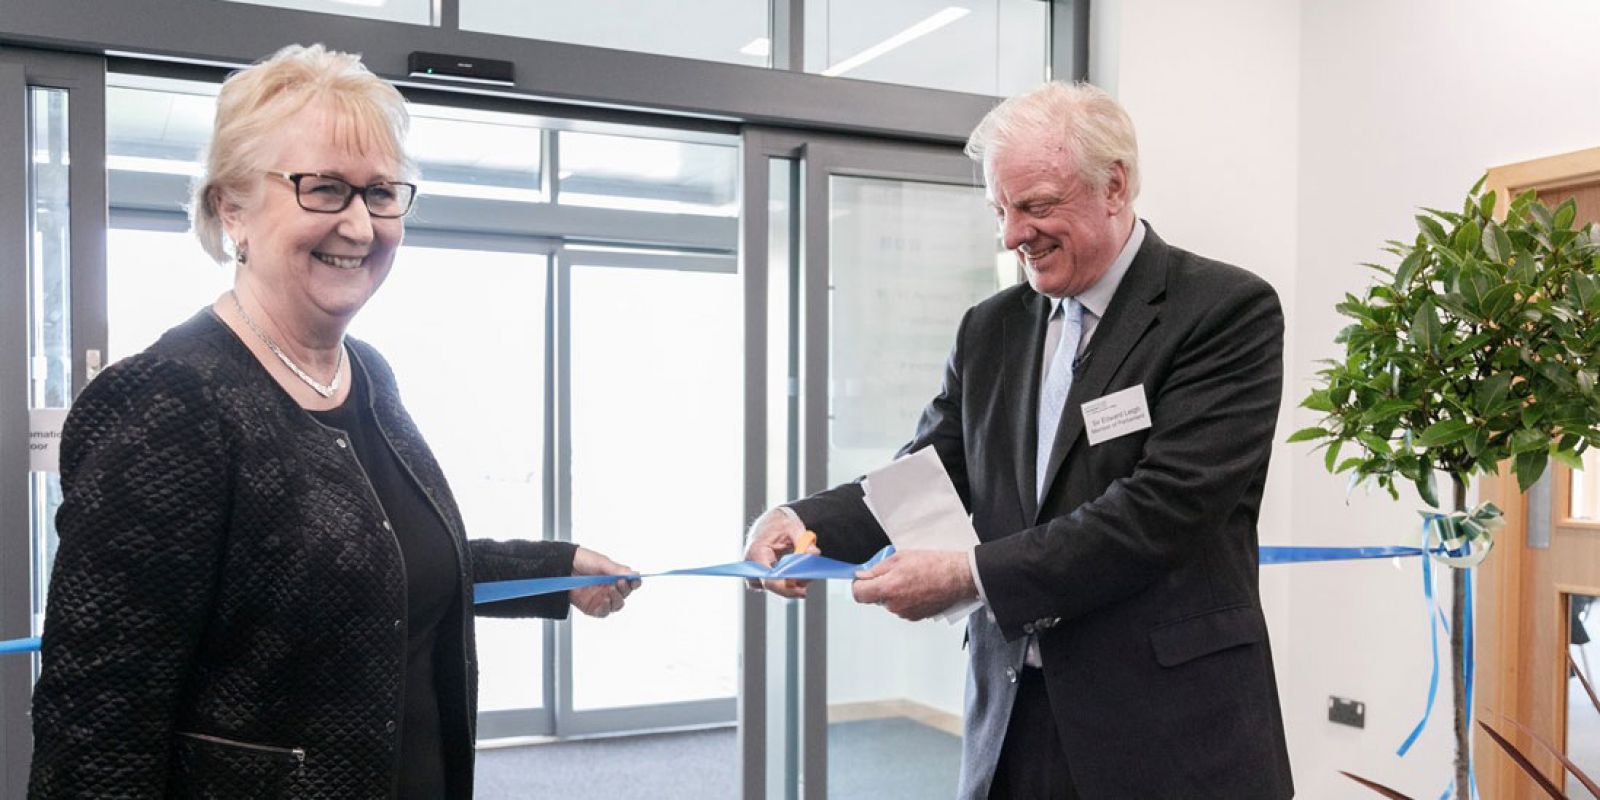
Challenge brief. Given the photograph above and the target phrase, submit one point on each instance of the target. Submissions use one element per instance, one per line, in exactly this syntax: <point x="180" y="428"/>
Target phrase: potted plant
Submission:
<point x="1480" y="347"/>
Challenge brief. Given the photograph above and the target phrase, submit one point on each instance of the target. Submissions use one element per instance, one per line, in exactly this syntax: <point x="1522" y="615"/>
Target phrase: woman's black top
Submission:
<point x="229" y="614"/>
<point x="430" y="563"/>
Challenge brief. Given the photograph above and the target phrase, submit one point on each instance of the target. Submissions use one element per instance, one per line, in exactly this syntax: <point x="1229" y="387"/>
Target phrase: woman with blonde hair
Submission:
<point x="263" y="588"/>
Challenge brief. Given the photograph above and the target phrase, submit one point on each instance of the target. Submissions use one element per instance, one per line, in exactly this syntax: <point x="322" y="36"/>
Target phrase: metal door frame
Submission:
<point x="84" y="78"/>
<point x="803" y="733"/>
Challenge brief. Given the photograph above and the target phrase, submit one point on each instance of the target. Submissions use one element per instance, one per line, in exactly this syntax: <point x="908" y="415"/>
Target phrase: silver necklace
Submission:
<point x="325" y="389"/>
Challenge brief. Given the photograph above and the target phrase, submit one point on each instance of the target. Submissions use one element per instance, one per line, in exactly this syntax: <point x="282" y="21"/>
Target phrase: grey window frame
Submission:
<point x="84" y="78"/>
<point x="231" y="34"/>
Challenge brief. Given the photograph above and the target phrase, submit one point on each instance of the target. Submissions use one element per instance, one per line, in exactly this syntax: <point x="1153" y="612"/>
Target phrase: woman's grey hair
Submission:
<point x="1089" y="121"/>
<point x="256" y="102"/>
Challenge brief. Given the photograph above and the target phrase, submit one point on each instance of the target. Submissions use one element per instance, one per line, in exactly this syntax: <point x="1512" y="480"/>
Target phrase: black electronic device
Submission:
<point x="460" y="68"/>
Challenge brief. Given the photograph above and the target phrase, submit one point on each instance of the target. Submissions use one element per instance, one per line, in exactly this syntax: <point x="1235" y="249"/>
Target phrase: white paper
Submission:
<point x="1116" y="414"/>
<point x="917" y="505"/>
<point x="44" y="438"/>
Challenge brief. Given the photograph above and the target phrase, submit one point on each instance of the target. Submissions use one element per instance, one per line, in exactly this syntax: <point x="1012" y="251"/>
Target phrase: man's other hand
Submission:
<point x="916" y="584"/>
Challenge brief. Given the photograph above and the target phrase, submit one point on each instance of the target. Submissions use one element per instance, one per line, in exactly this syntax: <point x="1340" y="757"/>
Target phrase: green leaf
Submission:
<point x="1374" y="443"/>
<point x="1425" y="326"/>
<point x="1584" y="289"/>
<point x="1541" y="214"/>
<point x="1528" y="441"/>
<point x="1456" y="303"/>
<point x="1428" y="487"/>
<point x="1495" y="243"/>
<point x="1386" y="411"/>
<point x="1491" y="391"/>
<point x="1530" y="415"/>
<point x="1432" y="231"/>
<point x="1318" y="401"/>
<point x="1474" y="286"/>
<point x="1448" y="216"/>
<point x="1568" y="457"/>
<point x="1478" y="442"/>
<point x="1467" y="238"/>
<point x="1308" y="434"/>
<point x="1332" y="456"/>
<point x="1564" y="215"/>
<point x="1348" y="464"/>
<point x="1529" y="467"/>
<point x="1408" y="269"/>
<point x="1498" y="302"/>
<point x="1445" y="431"/>
<point x="1486" y="201"/>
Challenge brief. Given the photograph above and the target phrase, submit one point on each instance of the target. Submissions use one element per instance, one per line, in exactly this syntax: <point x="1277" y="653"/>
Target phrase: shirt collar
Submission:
<point x="1096" y="298"/>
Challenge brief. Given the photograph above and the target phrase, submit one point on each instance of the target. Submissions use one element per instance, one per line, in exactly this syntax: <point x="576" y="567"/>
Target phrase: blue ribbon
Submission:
<point x="815" y="567"/>
<point x="797" y="566"/>
<point x="27" y="645"/>
<point x="1276" y="554"/>
<point x="1433" y="650"/>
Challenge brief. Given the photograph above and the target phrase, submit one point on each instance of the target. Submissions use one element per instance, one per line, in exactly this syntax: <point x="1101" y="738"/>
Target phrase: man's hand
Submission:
<point x="774" y="535"/>
<point x="605" y="598"/>
<point x="916" y="584"/>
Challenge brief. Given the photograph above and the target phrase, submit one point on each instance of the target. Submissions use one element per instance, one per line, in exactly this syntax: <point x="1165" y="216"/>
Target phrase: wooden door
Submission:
<point x="1545" y="561"/>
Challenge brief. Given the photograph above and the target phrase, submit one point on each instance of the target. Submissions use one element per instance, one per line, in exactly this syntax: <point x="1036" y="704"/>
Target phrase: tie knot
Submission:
<point x="1072" y="311"/>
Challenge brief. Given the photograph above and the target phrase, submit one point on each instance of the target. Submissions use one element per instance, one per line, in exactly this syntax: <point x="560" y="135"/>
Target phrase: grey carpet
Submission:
<point x="883" y="759"/>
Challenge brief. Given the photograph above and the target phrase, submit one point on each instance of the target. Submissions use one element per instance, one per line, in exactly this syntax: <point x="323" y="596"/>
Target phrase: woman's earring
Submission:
<point x="243" y="255"/>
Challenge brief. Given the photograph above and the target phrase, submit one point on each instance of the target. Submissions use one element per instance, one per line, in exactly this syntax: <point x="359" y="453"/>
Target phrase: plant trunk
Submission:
<point x="1458" y="650"/>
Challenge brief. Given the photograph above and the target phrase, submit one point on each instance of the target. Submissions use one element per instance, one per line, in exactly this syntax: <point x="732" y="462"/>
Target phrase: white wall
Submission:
<point x="1293" y="138"/>
<point x="1213" y="91"/>
<point x="1403" y="104"/>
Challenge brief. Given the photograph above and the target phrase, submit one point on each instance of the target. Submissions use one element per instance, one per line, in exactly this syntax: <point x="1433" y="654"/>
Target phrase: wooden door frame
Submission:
<point x="1515" y="679"/>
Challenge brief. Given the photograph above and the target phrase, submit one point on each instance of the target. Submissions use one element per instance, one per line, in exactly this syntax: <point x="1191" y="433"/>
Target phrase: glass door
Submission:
<point x="50" y="106"/>
<point x="888" y="246"/>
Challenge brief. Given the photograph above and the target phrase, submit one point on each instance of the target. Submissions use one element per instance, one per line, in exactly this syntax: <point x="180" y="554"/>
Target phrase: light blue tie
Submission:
<point x="1057" y="384"/>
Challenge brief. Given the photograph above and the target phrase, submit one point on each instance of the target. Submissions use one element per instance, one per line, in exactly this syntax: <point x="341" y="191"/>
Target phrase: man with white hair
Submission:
<point x="1108" y="426"/>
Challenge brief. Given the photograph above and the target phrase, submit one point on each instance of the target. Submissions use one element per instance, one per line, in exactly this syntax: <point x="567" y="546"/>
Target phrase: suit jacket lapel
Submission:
<point x="1023" y="331"/>
<point x="1133" y="310"/>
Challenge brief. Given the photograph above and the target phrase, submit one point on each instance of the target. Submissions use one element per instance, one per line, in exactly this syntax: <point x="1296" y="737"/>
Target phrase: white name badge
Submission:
<point x="1116" y="414"/>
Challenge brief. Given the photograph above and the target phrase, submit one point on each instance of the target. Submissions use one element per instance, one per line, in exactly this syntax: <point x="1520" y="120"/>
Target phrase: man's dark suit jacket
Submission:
<point x="1140" y="561"/>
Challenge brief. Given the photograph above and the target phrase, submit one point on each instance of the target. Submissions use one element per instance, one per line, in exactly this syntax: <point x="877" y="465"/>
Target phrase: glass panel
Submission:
<point x="464" y="331"/>
<point x="166" y="132"/>
<point x="992" y="47"/>
<point x="155" y="280"/>
<point x="162" y="132"/>
<point x="1586" y="488"/>
<point x="1583" y="709"/>
<point x="657" y="481"/>
<point x="503" y="162"/>
<point x="731" y="31"/>
<point x="49" y="253"/>
<point x="635" y="173"/>
<point x="906" y="260"/>
<point x="49" y="310"/>
<point x="418" y="12"/>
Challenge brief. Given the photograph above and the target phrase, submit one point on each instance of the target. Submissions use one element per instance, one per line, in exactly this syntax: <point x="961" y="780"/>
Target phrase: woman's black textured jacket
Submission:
<point x="227" y="611"/>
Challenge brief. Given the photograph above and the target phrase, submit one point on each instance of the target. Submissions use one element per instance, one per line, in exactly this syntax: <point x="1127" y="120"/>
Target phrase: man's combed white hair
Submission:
<point x="1090" y="122"/>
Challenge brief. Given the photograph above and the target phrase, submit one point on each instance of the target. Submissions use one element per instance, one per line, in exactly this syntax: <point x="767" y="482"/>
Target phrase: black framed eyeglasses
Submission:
<point x="326" y="194"/>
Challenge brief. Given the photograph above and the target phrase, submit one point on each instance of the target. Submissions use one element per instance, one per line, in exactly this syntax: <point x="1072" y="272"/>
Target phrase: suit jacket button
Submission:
<point x="1028" y="628"/>
<point x="389" y="726"/>
<point x="1011" y="675"/>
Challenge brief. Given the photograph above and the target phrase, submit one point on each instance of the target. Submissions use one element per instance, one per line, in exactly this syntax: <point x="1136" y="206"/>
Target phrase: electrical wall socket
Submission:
<point x="1347" y="712"/>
